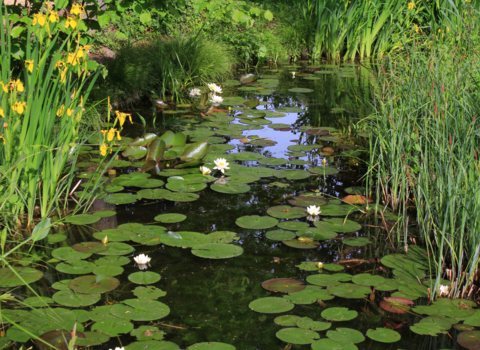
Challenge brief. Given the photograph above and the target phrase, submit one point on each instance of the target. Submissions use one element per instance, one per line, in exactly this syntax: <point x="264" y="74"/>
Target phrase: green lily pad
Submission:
<point x="283" y="285"/>
<point x="323" y="170"/>
<point x="308" y="266"/>
<point x="61" y="285"/>
<point x="231" y="188"/>
<point x="473" y="320"/>
<point x="297" y="336"/>
<point x="141" y="277"/>
<point x="338" y="210"/>
<point x="469" y="340"/>
<point x="121" y="198"/>
<point x="357" y="242"/>
<point x="54" y="238"/>
<point x="388" y="285"/>
<point x="280" y="126"/>
<point x="316" y="233"/>
<point x="295" y="243"/>
<point x="108" y="270"/>
<point x="170" y="218"/>
<point x="156" y="193"/>
<point x="339" y="314"/>
<point x="93" y="284"/>
<point x="349" y="291"/>
<point x="303" y="148"/>
<point x="306" y="201"/>
<point x="113" y="235"/>
<point x="427" y="329"/>
<point x="148" y="292"/>
<point x="293" y="225"/>
<point x="273" y="161"/>
<point x="140" y="310"/>
<point x="82" y="219"/>
<point x="287" y="320"/>
<point x="296" y="154"/>
<point x="309" y="295"/>
<point x="346" y="335"/>
<point x="247" y="156"/>
<point x="338" y="225"/>
<point x="211" y="346"/>
<point x="184" y="239"/>
<point x="308" y="323"/>
<point x="112" y="260"/>
<point x="117" y="248"/>
<point x="70" y="299"/>
<point x="256" y="222"/>
<point x="26" y="275"/>
<point x="286" y="212"/>
<point x="333" y="267"/>
<point x="242" y="179"/>
<point x="280" y="235"/>
<point x="251" y="171"/>
<point x="144" y="333"/>
<point x="92" y="339"/>
<point x="365" y="279"/>
<point x="383" y="335"/>
<point x="217" y="250"/>
<point x="38" y="301"/>
<point x="292" y="174"/>
<point x="222" y="237"/>
<point x="112" y="326"/>
<point x="290" y="110"/>
<point x="329" y="344"/>
<point x="271" y="305"/>
<point x="142" y="183"/>
<point x="184" y="186"/>
<point x="90" y="247"/>
<point x="75" y="267"/>
<point x="181" y="197"/>
<point x="328" y="280"/>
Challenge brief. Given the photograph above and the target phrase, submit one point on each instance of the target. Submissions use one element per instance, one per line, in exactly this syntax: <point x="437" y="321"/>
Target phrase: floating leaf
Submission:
<point x="113" y="235"/>
<point x="141" y="277"/>
<point x="75" y="267"/>
<point x="293" y="225"/>
<point x="256" y="222"/>
<point x="121" y="198"/>
<point x="339" y="314"/>
<point x="211" y="346"/>
<point x="357" y="199"/>
<point x="82" y="219"/>
<point x="299" y="244"/>
<point x="92" y="339"/>
<point x="148" y="292"/>
<point x="365" y="279"/>
<point x="170" y="218"/>
<point x="217" y="250"/>
<point x="297" y="336"/>
<point x="280" y="235"/>
<point x="324" y="170"/>
<point x="283" y="285"/>
<point x="349" y="291"/>
<point x="287" y="320"/>
<point x="90" y="285"/>
<point x="180" y="197"/>
<point x="329" y="280"/>
<point x="308" y="323"/>
<point x="90" y="247"/>
<point x="290" y="110"/>
<point x="271" y="305"/>
<point x="346" y="335"/>
<point x="113" y="326"/>
<point x="117" y="248"/>
<point x="231" y="188"/>
<point x="308" y="266"/>
<point x="195" y="151"/>
<point x="383" y="335"/>
<point x="184" y="186"/>
<point x="357" y="242"/>
<point x="338" y="225"/>
<point x="469" y="340"/>
<point x="71" y="299"/>
<point x="144" y="333"/>
<point x="292" y="174"/>
<point x="316" y="233"/>
<point x="333" y="267"/>
<point x="26" y="275"/>
<point x="112" y="260"/>
<point x="286" y="212"/>
<point x="156" y="193"/>
<point x="273" y="161"/>
<point x="108" y="270"/>
<point x="328" y="344"/>
<point x="38" y="301"/>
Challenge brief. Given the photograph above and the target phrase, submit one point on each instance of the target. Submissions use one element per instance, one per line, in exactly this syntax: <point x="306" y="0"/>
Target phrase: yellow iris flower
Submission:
<point x="19" y="107"/>
<point x="72" y="22"/>
<point x="1" y="112"/>
<point x="39" y="18"/>
<point x="111" y="134"/>
<point x="18" y="85"/>
<point x="4" y="87"/>
<point x="411" y="5"/>
<point x="77" y="9"/>
<point x="104" y="132"/>
<point x="63" y="75"/>
<point x="73" y="59"/>
<point x="53" y="17"/>
<point x="29" y="65"/>
<point x="70" y="111"/>
<point x="59" y="64"/>
<point x="122" y="117"/>
<point x="1" y="137"/>
<point x="61" y="110"/>
<point x="103" y="149"/>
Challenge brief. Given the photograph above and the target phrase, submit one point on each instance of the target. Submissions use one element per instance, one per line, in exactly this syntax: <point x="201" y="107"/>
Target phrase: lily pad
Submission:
<point x="210" y="346"/>
<point x="231" y="188"/>
<point x="75" y="267"/>
<point x="82" y="219"/>
<point x="287" y="320"/>
<point x="256" y="222"/>
<point x="339" y="314"/>
<point x="338" y="225"/>
<point x="121" y="198"/>
<point x="308" y="266"/>
<point x="112" y="260"/>
<point x="283" y="285"/>
<point x="349" y="291"/>
<point x="54" y="238"/>
<point x="329" y="280"/>
<point x="90" y="247"/>
<point x="141" y="277"/>
<point x="181" y="197"/>
<point x="92" y="339"/>
<point x="156" y="193"/>
<point x="184" y="187"/>
<point x="357" y="242"/>
<point x="217" y="250"/>
<point x="292" y="174"/>
<point x="323" y="170"/>
<point x="297" y="336"/>
<point x="297" y="243"/>
<point x="170" y="218"/>
<point x="280" y="235"/>
<point x="383" y="335"/>
<point x="93" y="284"/>
<point x="290" y="110"/>
<point x="329" y="344"/>
<point x="316" y="233"/>
<point x="70" y="299"/>
<point x="112" y="326"/>
<point x="26" y="275"/>
<point x="293" y="225"/>
<point x="365" y="279"/>
<point x="333" y="267"/>
<point x="346" y="335"/>
<point x="308" y="323"/>
<point x="38" y="301"/>
<point x="469" y="340"/>
<point x="148" y="292"/>
<point x="273" y="161"/>
<point x="117" y="248"/>
<point x="271" y="305"/>
<point x="286" y="212"/>
<point x="108" y="270"/>
<point x="113" y="235"/>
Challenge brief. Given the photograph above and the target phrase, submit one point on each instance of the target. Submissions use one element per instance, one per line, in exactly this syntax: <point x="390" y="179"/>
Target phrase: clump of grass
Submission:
<point x="166" y="67"/>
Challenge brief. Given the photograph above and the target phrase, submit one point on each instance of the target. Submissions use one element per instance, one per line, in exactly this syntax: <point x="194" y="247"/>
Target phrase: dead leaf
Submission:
<point x="357" y="199"/>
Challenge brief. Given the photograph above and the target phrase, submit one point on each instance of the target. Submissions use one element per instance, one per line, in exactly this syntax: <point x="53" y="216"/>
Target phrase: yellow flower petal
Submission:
<point x="1" y="112"/>
<point x="103" y="149"/>
<point x="77" y="9"/>
<point x="29" y="65"/>
<point x="60" y="111"/>
<point x="19" y="85"/>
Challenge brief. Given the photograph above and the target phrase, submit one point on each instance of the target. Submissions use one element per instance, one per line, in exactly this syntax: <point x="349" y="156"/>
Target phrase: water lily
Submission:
<point x="195" y="92"/>
<point x="324" y="161"/>
<point x="216" y="100"/>
<point x="319" y="265"/>
<point x="215" y="88"/>
<point x="142" y="259"/>
<point x="443" y="292"/>
<point x="313" y="210"/>
<point x="221" y="164"/>
<point x="205" y="170"/>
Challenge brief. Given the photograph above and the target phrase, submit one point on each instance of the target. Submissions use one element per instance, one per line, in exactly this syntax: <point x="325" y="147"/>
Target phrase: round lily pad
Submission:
<point x="329" y="344"/>
<point x="299" y="244"/>
<point x="396" y="305"/>
<point x="349" y="291"/>
<point x="217" y="250"/>
<point x="148" y="292"/>
<point x="388" y="285"/>
<point x="92" y="339"/>
<point x="303" y="148"/>
<point x="26" y="275"/>
<point x="273" y="161"/>
<point x="316" y="233"/>
<point x="242" y="179"/>
<point x="293" y="225"/>
<point x="333" y="267"/>
<point x="298" y="162"/>
<point x="170" y="218"/>
<point x="211" y="346"/>
<point x="180" y="197"/>
<point x="323" y="170"/>
<point x="357" y="242"/>
<point x="365" y="279"/>
<point x="283" y="285"/>
<point x="105" y="213"/>
<point x="280" y="235"/>
<point x="108" y="270"/>
<point x="184" y="239"/>
<point x="247" y="156"/>
<point x="286" y="212"/>
<point x="71" y="299"/>
<point x="308" y="266"/>
<point x="112" y="326"/>
<point x="75" y="267"/>
<point x="259" y="121"/>
<point x="93" y="284"/>
<point x="121" y="198"/>
<point x="112" y="260"/>
<point x="68" y="253"/>
<point x="287" y="320"/>
<point x="140" y="310"/>
<point x="256" y="222"/>
<point x="184" y="186"/>
<point x="346" y="335"/>
<point x="338" y="225"/>
<point x="328" y="280"/>
<point x="292" y="174"/>
<point x="61" y="285"/>
<point x="231" y="188"/>
<point x="290" y="110"/>
<point x="82" y="219"/>
<point x="90" y="247"/>
<point x="383" y="335"/>
<point x="469" y="340"/>
<point x="117" y="248"/>
<point x="308" y="323"/>
<point x="156" y="193"/>
<point x="271" y="305"/>
<point x="113" y="235"/>
<point x="38" y="301"/>
<point x="339" y="314"/>
<point x="141" y="277"/>
<point x="297" y="336"/>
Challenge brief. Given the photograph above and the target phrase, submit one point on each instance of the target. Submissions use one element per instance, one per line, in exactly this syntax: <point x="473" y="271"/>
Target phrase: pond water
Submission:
<point x="210" y="299"/>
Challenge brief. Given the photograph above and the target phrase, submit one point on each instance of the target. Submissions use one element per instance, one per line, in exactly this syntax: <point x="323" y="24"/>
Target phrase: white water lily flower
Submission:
<point x="205" y="170"/>
<point x="215" y="88"/>
<point x="195" y="92"/>
<point x="313" y="210"/>
<point x="443" y="292"/>
<point x="216" y="100"/>
<point x="221" y="164"/>
<point x="142" y="259"/>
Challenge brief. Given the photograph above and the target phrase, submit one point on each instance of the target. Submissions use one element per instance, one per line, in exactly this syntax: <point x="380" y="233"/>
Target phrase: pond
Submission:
<point x="302" y="145"/>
